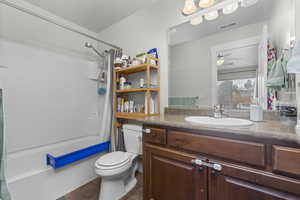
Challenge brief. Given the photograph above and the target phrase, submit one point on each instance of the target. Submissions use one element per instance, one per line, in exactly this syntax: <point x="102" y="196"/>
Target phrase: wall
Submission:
<point x="185" y="65"/>
<point x="297" y="21"/>
<point x="47" y="94"/>
<point x="298" y="38"/>
<point x="147" y="29"/>
<point x="282" y="23"/>
<point x="50" y="104"/>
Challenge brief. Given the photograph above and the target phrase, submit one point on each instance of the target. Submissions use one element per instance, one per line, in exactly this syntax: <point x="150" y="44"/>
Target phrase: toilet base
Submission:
<point x="115" y="189"/>
<point x="130" y="186"/>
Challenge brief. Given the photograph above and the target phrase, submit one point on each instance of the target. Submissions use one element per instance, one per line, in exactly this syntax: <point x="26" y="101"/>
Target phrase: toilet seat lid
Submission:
<point x="117" y="158"/>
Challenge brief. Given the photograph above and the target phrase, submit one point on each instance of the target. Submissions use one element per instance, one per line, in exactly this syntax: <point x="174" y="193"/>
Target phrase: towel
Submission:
<point x="293" y="66"/>
<point x="277" y="76"/>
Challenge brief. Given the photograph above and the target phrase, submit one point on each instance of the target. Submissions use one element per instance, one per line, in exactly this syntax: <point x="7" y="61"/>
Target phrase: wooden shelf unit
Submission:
<point x="126" y="115"/>
<point x="136" y="69"/>
<point x="146" y="67"/>
<point x="133" y="90"/>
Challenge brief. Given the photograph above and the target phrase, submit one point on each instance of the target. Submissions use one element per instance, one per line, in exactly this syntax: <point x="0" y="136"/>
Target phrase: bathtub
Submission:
<point x="30" y="178"/>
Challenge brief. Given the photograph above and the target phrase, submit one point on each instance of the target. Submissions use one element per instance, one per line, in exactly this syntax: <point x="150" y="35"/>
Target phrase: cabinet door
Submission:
<point x="169" y="175"/>
<point x="223" y="186"/>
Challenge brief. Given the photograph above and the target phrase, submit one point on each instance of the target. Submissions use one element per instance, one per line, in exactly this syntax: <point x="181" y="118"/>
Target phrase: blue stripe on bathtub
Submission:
<point x="60" y="161"/>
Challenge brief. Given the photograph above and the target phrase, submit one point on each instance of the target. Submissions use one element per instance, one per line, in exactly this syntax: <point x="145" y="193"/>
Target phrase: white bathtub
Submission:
<point x="30" y="178"/>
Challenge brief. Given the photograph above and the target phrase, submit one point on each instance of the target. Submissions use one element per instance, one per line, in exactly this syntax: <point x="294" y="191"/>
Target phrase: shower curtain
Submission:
<point x="4" y="194"/>
<point x="107" y="127"/>
<point x="108" y="130"/>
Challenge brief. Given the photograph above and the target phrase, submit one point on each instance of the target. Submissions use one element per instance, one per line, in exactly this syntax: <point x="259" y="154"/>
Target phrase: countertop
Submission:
<point x="282" y="131"/>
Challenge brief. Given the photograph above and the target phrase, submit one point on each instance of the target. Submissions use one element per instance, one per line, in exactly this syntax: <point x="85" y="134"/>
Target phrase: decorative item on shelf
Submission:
<point x="125" y="60"/>
<point x="127" y="85"/>
<point x="154" y="53"/>
<point x="135" y="62"/>
<point x="118" y="63"/>
<point x="142" y="82"/>
<point x="122" y="82"/>
<point x="141" y="57"/>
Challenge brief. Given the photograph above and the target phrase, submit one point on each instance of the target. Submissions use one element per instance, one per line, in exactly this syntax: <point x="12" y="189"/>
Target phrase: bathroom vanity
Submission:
<point x="183" y="161"/>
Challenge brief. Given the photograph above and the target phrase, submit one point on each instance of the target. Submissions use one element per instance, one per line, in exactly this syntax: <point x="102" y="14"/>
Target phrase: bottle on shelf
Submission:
<point x="122" y="82"/>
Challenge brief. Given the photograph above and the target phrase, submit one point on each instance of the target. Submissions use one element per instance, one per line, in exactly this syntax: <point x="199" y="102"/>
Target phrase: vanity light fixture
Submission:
<point x="248" y="3"/>
<point x="210" y="11"/>
<point x="211" y="15"/>
<point x="189" y="7"/>
<point x="230" y="8"/>
<point x="197" y="20"/>
<point x="206" y="3"/>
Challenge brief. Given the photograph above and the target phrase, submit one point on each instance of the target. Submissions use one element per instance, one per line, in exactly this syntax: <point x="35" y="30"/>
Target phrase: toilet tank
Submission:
<point x="133" y="138"/>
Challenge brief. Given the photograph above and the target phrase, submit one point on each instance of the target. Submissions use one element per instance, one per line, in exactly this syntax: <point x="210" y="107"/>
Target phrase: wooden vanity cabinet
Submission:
<point x="170" y="175"/>
<point x="170" y="172"/>
<point x="226" y="185"/>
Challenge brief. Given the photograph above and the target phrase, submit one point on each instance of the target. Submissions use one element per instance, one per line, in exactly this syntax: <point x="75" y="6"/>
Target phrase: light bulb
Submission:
<point x="197" y="20"/>
<point x="230" y="8"/>
<point x="247" y="3"/>
<point x="206" y="3"/>
<point x="212" y="15"/>
<point x="189" y="7"/>
<point x="220" y="60"/>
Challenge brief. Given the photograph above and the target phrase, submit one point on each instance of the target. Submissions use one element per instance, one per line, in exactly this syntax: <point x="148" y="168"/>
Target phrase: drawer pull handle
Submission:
<point x="217" y="167"/>
<point x="147" y="130"/>
<point x="197" y="162"/>
<point x="214" y="166"/>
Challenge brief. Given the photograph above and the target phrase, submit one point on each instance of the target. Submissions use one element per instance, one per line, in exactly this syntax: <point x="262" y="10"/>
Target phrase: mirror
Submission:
<point x="235" y="59"/>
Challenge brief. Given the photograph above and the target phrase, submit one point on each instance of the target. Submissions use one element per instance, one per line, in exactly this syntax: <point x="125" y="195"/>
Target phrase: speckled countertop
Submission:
<point x="283" y="131"/>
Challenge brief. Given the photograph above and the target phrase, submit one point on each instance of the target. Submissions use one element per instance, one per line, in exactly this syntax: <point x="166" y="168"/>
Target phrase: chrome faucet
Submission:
<point x="218" y="111"/>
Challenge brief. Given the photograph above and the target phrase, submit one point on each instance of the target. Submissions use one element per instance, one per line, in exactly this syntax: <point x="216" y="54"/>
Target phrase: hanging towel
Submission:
<point x="293" y="66"/>
<point x="277" y="76"/>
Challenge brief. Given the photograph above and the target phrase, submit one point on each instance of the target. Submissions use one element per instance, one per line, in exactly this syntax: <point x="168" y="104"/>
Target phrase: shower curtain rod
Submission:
<point x="56" y="23"/>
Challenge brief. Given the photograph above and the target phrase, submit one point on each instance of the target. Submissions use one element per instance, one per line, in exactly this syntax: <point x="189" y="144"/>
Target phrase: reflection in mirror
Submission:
<point x="237" y="59"/>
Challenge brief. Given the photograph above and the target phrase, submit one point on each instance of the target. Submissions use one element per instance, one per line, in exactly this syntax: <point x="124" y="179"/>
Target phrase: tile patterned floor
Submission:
<point x="90" y="191"/>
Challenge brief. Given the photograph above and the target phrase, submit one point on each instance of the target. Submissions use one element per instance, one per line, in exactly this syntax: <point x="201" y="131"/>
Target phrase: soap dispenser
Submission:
<point x="256" y="111"/>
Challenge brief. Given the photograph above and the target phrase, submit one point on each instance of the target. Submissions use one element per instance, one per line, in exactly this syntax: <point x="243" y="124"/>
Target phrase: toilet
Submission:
<point x="117" y="169"/>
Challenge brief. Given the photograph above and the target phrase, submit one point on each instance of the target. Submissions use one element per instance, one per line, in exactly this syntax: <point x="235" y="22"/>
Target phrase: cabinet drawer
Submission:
<point x="286" y="160"/>
<point x="156" y="135"/>
<point x="244" y="152"/>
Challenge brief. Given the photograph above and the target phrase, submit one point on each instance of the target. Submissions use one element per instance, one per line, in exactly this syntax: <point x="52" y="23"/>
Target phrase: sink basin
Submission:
<point x="222" y="122"/>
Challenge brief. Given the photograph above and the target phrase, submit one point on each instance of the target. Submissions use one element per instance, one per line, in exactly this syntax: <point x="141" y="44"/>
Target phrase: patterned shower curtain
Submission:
<point x="4" y="194"/>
